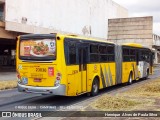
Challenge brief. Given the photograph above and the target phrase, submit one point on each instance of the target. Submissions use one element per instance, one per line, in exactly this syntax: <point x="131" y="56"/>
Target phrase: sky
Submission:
<point x="140" y="8"/>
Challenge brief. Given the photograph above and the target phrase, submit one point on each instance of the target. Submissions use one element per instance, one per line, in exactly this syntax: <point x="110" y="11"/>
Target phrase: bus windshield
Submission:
<point x="38" y="49"/>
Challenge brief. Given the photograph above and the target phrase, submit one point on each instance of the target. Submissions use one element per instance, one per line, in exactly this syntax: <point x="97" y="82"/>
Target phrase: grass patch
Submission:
<point x="151" y="89"/>
<point x="8" y="84"/>
<point x="115" y="103"/>
<point x="142" y="97"/>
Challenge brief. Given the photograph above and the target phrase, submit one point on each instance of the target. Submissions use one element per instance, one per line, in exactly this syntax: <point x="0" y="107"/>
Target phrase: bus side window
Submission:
<point x="137" y="57"/>
<point x="110" y="53"/>
<point x="94" y="53"/>
<point x="148" y="56"/>
<point x="82" y="47"/>
<point x="72" y="53"/>
<point x="129" y="54"/>
<point x="125" y="51"/>
<point x="66" y="51"/>
<point x="132" y="55"/>
<point x="145" y="55"/>
<point x="126" y="56"/>
<point x="103" y="53"/>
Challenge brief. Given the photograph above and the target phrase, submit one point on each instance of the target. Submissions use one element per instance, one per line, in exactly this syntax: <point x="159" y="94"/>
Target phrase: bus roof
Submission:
<point x="87" y="38"/>
<point x="132" y="45"/>
<point x="95" y="39"/>
<point x="31" y="36"/>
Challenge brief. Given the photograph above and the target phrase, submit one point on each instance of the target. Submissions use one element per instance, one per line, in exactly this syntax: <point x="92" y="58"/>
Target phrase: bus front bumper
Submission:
<point x="58" y="90"/>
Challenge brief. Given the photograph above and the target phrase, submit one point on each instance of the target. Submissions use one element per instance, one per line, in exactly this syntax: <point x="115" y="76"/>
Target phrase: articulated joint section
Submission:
<point x="58" y="90"/>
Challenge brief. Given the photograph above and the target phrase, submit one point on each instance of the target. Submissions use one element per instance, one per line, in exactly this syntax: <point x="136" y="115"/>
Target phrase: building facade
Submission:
<point x="156" y="47"/>
<point x="85" y="17"/>
<point x="82" y="17"/>
<point x="132" y="30"/>
<point x="135" y="30"/>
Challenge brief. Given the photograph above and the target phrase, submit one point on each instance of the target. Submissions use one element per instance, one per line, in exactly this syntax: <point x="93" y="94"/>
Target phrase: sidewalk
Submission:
<point x="7" y="73"/>
<point x="8" y="76"/>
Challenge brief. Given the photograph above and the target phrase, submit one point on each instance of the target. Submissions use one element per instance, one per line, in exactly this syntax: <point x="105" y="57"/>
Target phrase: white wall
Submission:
<point x="72" y="16"/>
<point x="156" y="40"/>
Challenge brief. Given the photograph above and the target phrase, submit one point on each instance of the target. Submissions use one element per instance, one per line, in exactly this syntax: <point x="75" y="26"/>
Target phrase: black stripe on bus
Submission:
<point x="103" y="81"/>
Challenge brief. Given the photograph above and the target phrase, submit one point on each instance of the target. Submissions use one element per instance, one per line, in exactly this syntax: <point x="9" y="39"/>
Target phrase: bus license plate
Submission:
<point x="37" y="80"/>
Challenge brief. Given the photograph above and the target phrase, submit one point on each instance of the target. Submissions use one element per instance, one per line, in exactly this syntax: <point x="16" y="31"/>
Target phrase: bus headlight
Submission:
<point x="19" y="78"/>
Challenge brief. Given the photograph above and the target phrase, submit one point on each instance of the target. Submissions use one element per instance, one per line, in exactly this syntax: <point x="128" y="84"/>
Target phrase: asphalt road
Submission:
<point x="12" y="100"/>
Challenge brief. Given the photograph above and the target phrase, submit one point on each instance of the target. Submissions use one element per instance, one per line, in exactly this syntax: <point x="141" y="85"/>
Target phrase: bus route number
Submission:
<point x="41" y="69"/>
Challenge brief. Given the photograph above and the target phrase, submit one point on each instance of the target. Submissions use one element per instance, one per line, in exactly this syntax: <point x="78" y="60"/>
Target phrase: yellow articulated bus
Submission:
<point x="70" y="65"/>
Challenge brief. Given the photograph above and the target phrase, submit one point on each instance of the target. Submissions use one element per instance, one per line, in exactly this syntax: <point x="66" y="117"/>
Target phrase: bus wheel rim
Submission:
<point x="130" y="79"/>
<point x="95" y="87"/>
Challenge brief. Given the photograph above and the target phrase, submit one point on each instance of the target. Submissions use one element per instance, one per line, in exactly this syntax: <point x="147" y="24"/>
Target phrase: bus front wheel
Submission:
<point x="145" y="78"/>
<point x="95" y="87"/>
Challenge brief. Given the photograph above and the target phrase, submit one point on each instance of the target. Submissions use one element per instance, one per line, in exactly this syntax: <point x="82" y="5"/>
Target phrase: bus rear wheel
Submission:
<point x="130" y="79"/>
<point x="95" y="87"/>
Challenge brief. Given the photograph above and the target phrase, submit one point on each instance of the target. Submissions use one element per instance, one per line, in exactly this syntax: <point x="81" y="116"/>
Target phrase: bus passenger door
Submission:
<point x="82" y="53"/>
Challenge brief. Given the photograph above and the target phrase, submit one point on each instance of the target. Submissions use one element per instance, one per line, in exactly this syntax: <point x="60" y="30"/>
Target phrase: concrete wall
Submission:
<point x="6" y="34"/>
<point x="2" y="1"/>
<point x="156" y="40"/>
<point x="132" y="30"/>
<point x="156" y="47"/>
<point x="85" y="17"/>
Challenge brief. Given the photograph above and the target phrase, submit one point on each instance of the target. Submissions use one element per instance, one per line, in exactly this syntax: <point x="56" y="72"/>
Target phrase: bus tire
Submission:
<point x="147" y="75"/>
<point x="95" y="87"/>
<point x="130" y="79"/>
